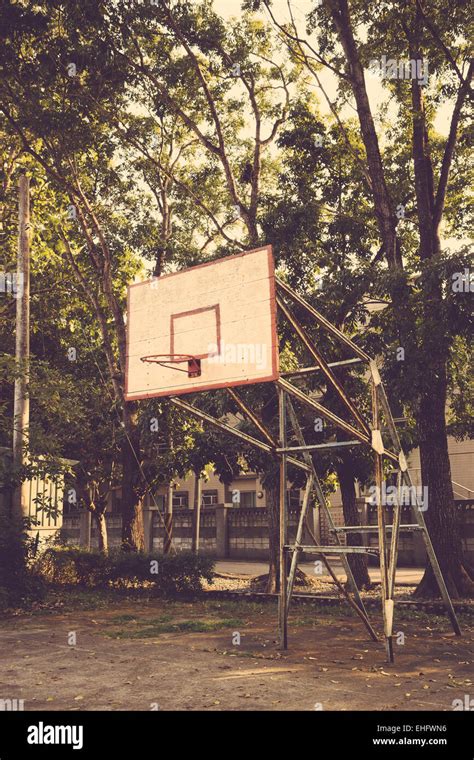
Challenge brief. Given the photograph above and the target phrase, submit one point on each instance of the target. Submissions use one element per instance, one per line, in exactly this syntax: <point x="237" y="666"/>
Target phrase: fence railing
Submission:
<point x="231" y="532"/>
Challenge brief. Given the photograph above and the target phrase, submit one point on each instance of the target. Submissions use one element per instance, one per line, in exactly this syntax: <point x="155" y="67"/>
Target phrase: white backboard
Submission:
<point x="222" y="312"/>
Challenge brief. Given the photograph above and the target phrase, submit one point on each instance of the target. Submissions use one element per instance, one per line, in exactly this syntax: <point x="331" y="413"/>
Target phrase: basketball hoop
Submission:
<point x="169" y="361"/>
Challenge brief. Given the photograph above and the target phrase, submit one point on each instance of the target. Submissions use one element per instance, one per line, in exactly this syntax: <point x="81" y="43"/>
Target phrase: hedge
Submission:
<point x="170" y="575"/>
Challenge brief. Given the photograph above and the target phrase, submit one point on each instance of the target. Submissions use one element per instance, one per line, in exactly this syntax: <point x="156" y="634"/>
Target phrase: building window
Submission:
<point x="293" y="496"/>
<point x="154" y="500"/>
<point x="209" y="498"/>
<point x="248" y="499"/>
<point x="181" y="499"/>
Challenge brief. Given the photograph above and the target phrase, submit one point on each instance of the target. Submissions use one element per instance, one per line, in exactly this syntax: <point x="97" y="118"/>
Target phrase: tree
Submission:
<point x="89" y="64"/>
<point x="409" y="32"/>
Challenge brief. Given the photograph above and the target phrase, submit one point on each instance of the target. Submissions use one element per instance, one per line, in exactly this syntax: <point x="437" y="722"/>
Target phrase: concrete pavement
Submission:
<point x="406" y="576"/>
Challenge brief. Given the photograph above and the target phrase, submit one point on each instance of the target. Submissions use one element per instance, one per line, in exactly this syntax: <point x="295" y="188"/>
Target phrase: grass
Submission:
<point x="84" y="600"/>
<point x="151" y="628"/>
<point x="239" y="607"/>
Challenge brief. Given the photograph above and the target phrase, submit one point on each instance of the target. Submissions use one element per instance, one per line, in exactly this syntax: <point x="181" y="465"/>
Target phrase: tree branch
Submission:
<point x="449" y="149"/>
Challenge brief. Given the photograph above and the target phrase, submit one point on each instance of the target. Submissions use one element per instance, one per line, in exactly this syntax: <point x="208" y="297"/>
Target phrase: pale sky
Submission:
<point x="377" y="93"/>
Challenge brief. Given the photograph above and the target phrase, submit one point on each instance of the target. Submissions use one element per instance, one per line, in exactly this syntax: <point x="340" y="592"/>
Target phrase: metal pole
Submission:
<point x="196" y="512"/>
<point x="282" y="597"/>
<point x="318" y="446"/>
<point x="299" y="535"/>
<point x="253" y="417"/>
<point x="168" y="537"/>
<point x="396" y="519"/>
<point x="21" y="403"/>
<point x="387" y="602"/>
<point x="312" y="370"/>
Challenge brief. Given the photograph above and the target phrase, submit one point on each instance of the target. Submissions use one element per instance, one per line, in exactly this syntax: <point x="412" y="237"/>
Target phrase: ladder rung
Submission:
<point x="332" y="549"/>
<point x="369" y="528"/>
<point x="317" y="446"/>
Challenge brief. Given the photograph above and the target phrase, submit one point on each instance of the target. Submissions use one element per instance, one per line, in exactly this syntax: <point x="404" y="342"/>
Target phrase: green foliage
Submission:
<point x="18" y="583"/>
<point x="171" y="575"/>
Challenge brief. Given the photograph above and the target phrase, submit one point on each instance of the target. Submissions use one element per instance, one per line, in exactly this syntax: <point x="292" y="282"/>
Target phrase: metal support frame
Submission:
<point x="283" y="517"/>
<point x="387" y="601"/>
<point x="304" y="371"/>
<point x="253" y="417"/>
<point x="298" y="394"/>
<point x="358" y="604"/>
<point x="325" y="368"/>
<point x="332" y="329"/>
<point x="232" y="430"/>
<point x="387" y="553"/>
<point x="419" y="517"/>
<point x="366" y="434"/>
<point x="396" y="519"/>
<point x="317" y="447"/>
<point x="372" y="528"/>
<point x="318" y="549"/>
<point x="299" y="534"/>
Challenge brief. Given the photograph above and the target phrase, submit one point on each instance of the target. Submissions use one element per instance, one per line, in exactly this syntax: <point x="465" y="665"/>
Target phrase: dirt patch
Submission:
<point x="153" y="654"/>
<point x="304" y="583"/>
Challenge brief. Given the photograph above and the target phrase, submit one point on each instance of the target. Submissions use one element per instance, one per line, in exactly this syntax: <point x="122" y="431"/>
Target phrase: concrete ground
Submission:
<point x="406" y="576"/>
<point x="125" y="654"/>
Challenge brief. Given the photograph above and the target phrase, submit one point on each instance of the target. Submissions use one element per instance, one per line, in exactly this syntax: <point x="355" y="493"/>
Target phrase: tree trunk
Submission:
<point x="132" y="517"/>
<point x="100" y="521"/>
<point x="432" y="346"/>
<point x="272" y="495"/>
<point x="441" y="517"/>
<point x="382" y="202"/>
<point x="358" y="562"/>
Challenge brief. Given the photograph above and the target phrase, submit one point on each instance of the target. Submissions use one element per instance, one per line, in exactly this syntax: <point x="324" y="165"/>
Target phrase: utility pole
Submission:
<point x="21" y="404"/>
<point x="196" y="512"/>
